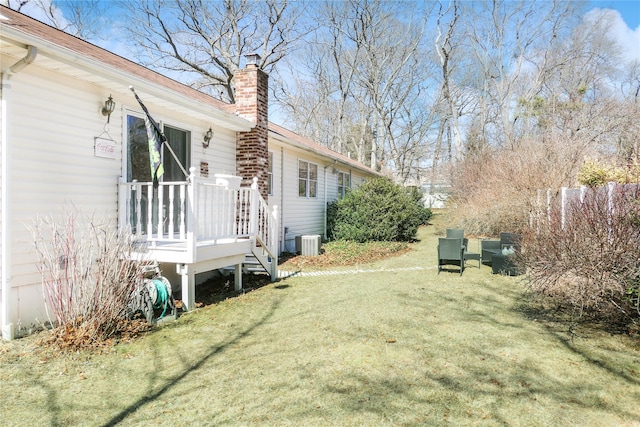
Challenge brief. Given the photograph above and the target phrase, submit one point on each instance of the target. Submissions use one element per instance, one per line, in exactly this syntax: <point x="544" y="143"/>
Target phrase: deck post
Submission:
<point x="254" y="206"/>
<point x="123" y="205"/>
<point x="188" y="286"/>
<point x="192" y="223"/>
<point x="238" y="278"/>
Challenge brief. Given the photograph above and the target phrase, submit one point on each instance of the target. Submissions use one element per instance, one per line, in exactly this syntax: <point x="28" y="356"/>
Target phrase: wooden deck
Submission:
<point x="199" y="226"/>
<point x="182" y="253"/>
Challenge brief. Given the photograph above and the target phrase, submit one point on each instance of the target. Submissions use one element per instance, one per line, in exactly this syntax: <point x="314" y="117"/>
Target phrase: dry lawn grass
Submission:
<point x="401" y="347"/>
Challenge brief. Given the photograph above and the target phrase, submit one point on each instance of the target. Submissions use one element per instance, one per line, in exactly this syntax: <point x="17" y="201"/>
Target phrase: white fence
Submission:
<point x="566" y="197"/>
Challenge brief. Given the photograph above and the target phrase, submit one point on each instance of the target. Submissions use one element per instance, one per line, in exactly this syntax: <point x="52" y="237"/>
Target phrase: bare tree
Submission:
<point x="455" y="94"/>
<point x="629" y="139"/>
<point x="17" y="5"/>
<point x="579" y="97"/>
<point x="319" y="97"/>
<point x="389" y="72"/>
<point x="367" y="71"/>
<point x="445" y="48"/>
<point x="80" y="18"/>
<point x="503" y="36"/>
<point x="205" y="42"/>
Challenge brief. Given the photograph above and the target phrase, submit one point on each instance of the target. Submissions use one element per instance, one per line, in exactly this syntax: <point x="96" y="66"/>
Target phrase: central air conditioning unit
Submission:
<point x="308" y="245"/>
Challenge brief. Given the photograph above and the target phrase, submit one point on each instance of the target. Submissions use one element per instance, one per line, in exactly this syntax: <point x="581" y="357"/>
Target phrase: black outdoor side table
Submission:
<point x="502" y="264"/>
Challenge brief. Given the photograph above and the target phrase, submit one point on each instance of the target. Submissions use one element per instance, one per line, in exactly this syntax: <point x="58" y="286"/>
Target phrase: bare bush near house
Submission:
<point x="87" y="278"/>
<point x="592" y="264"/>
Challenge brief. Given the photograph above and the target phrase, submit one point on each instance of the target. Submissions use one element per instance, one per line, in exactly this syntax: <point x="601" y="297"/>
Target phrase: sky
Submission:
<point x="629" y="10"/>
<point x="626" y="25"/>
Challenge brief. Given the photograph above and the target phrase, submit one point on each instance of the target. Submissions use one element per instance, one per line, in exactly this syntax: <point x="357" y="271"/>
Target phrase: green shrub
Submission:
<point x="378" y="210"/>
<point x="332" y="212"/>
<point x="424" y="214"/>
<point x="594" y="174"/>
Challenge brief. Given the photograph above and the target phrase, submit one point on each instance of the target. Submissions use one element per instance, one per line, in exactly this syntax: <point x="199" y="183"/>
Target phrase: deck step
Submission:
<point x="249" y="265"/>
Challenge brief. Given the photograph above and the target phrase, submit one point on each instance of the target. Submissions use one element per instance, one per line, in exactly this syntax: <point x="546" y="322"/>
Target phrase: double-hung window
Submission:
<point x="307" y="179"/>
<point x="344" y="183"/>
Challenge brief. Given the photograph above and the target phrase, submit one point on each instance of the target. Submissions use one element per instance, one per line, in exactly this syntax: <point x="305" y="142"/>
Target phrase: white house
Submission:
<point x="62" y="148"/>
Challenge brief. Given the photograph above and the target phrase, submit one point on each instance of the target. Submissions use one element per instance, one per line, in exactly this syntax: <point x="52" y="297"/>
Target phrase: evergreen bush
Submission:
<point x="378" y="210"/>
<point x="332" y="213"/>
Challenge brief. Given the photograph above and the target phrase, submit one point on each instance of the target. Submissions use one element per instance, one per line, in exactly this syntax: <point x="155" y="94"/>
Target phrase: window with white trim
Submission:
<point x="344" y="183"/>
<point x="307" y="179"/>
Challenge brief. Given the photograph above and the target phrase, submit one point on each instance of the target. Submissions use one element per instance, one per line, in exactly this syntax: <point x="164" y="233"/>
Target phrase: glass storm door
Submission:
<point x="139" y="169"/>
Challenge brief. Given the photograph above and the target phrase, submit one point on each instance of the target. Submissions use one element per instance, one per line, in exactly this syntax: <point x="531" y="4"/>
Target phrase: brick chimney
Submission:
<point x="252" y="148"/>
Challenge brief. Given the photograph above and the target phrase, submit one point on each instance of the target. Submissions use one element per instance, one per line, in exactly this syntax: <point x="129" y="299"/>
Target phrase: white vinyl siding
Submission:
<point x="303" y="215"/>
<point x="221" y="154"/>
<point x="54" y="170"/>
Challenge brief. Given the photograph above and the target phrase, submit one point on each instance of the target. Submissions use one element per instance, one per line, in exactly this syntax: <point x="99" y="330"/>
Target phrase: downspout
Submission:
<point x="7" y="326"/>
<point x="324" y="231"/>
<point x="283" y="246"/>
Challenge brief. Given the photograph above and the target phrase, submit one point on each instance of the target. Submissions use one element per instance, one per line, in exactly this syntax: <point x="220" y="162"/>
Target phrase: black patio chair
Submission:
<point x="458" y="233"/>
<point x="450" y="252"/>
<point x="499" y="253"/>
<point x="455" y="233"/>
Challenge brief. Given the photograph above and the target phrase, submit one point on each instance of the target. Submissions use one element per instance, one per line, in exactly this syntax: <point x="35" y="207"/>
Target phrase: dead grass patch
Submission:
<point x="343" y="253"/>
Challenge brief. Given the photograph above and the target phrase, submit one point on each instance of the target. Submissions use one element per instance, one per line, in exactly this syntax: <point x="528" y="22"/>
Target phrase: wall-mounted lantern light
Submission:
<point x="108" y="108"/>
<point x="207" y="138"/>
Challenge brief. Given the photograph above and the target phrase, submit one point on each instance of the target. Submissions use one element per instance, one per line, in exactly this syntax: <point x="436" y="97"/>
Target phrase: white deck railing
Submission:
<point x="196" y="211"/>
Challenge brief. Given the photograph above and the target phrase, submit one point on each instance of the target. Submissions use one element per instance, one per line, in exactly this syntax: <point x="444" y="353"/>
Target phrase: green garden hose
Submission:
<point x="163" y="296"/>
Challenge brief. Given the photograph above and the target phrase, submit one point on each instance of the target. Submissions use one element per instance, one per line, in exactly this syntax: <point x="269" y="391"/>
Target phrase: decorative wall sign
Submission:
<point x="104" y="148"/>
